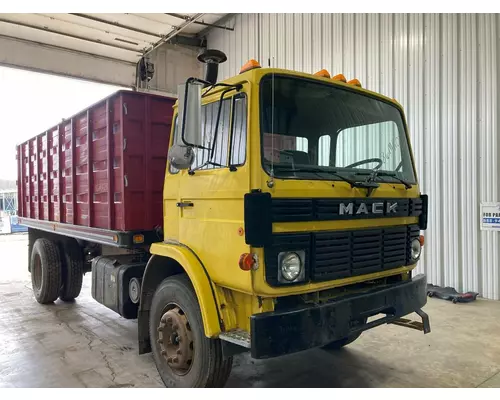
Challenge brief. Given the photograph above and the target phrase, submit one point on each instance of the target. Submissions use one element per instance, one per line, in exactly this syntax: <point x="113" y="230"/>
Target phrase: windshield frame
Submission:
<point x="348" y="174"/>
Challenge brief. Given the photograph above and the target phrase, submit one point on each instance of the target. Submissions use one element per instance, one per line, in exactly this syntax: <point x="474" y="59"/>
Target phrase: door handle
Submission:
<point x="185" y="204"/>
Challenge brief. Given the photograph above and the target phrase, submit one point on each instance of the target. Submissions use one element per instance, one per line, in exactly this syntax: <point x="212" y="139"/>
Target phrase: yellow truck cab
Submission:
<point x="292" y="220"/>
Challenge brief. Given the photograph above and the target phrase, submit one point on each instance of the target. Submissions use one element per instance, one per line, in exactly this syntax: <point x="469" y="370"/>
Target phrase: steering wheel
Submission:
<point x="399" y="166"/>
<point x="368" y="160"/>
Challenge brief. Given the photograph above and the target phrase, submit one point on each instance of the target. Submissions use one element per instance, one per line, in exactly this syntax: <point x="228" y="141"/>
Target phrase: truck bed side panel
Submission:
<point x="102" y="168"/>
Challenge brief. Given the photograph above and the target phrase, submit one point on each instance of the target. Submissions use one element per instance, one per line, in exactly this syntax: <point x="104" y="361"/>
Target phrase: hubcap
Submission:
<point x="176" y="340"/>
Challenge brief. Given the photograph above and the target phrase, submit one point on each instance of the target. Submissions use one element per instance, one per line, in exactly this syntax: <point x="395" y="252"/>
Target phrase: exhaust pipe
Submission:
<point x="212" y="59"/>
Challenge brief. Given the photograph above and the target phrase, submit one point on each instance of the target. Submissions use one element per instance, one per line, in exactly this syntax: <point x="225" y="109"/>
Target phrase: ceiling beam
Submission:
<point x="174" y="32"/>
<point x="117" y="24"/>
<point x="219" y="22"/>
<point x="116" y="46"/>
<point x="186" y="17"/>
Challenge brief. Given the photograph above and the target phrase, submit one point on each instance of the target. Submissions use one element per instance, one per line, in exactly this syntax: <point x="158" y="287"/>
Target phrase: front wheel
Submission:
<point x="183" y="355"/>
<point x="338" y="344"/>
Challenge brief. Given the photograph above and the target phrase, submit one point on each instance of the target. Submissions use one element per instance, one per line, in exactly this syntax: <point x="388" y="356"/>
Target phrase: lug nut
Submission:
<point x="176" y="360"/>
<point x="179" y="352"/>
<point x="159" y="329"/>
<point x="158" y="340"/>
<point x="163" y="352"/>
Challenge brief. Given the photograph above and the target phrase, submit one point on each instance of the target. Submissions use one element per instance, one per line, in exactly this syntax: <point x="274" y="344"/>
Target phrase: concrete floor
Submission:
<point x="86" y="345"/>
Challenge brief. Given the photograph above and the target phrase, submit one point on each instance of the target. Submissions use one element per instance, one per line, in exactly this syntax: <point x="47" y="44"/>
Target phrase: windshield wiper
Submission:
<point x="332" y="172"/>
<point x="376" y="173"/>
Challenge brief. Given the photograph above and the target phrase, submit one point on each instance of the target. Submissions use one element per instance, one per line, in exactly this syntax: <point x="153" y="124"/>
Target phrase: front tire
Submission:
<point x="183" y="355"/>
<point x="338" y="344"/>
<point x="45" y="271"/>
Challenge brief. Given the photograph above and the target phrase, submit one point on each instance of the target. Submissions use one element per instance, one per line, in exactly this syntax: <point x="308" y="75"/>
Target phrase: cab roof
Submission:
<point x="254" y="76"/>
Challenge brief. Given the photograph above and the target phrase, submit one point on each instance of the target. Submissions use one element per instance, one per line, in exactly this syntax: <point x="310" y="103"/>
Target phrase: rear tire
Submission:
<point x="338" y="344"/>
<point x="175" y="313"/>
<point x="45" y="271"/>
<point x="72" y="271"/>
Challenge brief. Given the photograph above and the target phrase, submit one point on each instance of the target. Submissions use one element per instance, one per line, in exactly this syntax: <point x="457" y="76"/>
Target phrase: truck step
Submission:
<point x="419" y="326"/>
<point x="237" y="336"/>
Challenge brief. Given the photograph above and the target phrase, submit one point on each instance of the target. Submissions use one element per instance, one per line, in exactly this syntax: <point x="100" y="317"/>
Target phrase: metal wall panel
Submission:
<point x="443" y="69"/>
<point x="173" y="65"/>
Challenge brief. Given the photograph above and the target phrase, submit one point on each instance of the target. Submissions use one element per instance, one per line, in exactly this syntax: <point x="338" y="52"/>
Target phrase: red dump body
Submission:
<point x="103" y="168"/>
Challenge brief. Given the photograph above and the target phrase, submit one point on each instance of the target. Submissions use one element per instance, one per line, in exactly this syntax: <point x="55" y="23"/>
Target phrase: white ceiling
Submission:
<point x="124" y="37"/>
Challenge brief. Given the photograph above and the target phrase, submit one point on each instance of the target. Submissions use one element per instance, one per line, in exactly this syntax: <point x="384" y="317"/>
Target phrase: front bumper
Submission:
<point x="283" y="332"/>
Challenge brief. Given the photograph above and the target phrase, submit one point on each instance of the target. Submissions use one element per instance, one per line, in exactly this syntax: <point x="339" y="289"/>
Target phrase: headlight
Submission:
<point x="291" y="266"/>
<point x="416" y="249"/>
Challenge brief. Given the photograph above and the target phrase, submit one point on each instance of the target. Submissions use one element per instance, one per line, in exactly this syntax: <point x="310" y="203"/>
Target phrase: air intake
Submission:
<point x="212" y="59"/>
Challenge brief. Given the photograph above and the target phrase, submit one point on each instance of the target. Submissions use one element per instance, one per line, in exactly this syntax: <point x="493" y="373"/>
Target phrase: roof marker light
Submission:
<point x="250" y="64"/>
<point x="339" y="77"/>
<point x="354" y="82"/>
<point x="323" y="73"/>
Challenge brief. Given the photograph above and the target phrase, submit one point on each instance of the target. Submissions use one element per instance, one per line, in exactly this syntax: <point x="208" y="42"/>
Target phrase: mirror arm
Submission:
<point x="214" y="144"/>
<point x="232" y="168"/>
<point x="237" y="87"/>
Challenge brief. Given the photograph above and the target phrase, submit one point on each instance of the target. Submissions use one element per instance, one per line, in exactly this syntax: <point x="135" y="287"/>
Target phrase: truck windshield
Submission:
<point x="320" y="131"/>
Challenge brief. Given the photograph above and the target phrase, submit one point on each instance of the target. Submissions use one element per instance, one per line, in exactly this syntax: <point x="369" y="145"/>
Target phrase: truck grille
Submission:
<point x="341" y="254"/>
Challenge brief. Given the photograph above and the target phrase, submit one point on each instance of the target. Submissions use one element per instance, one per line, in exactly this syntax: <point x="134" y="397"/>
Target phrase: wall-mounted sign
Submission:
<point x="490" y="216"/>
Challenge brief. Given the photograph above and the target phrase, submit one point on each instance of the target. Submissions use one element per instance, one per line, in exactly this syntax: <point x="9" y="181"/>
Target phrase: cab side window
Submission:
<point x="232" y="127"/>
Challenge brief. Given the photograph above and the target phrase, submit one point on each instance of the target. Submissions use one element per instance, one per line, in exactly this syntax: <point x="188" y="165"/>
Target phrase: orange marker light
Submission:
<point x="354" y="82"/>
<point x="323" y="73"/>
<point x="246" y="261"/>
<point x="251" y="64"/>
<point x="137" y="239"/>
<point x="340" y="77"/>
<point x="421" y="239"/>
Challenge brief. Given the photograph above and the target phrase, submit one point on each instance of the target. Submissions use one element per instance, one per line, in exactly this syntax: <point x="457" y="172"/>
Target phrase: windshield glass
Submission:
<point x="316" y="129"/>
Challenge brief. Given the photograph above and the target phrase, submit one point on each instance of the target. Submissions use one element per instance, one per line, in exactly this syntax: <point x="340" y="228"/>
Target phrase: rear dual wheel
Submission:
<point x="45" y="271"/>
<point x="72" y="271"/>
<point x="56" y="272"/>
<point x="184" y="356"/>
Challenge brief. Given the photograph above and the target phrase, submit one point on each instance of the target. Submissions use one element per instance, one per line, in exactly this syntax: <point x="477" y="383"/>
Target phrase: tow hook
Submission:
<point x="424" y="326"/>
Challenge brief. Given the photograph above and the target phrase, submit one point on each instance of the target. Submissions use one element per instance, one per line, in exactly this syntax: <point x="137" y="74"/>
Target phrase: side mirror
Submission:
<point x="181" y="156"/>
<point x="189" y="107"/>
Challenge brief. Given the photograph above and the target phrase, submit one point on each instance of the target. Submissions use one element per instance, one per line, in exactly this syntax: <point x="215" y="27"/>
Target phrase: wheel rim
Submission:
<point x="176" y="340"/>
<point x="37" y="273"/>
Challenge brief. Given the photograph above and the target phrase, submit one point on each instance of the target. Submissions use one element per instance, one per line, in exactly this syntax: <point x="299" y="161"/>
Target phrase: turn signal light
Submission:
<point x="137" y="239"/>
<point x="421" y="239"/>
<point x="340" y="77"/>
<point x="323" y="73"/>
<point x="251" y="64"/>
<point x="354" y="82"/>
<point x="247" y="261"/>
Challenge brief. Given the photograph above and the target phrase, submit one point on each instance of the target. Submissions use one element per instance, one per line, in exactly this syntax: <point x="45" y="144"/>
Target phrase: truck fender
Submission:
<point x="170" y="259"/>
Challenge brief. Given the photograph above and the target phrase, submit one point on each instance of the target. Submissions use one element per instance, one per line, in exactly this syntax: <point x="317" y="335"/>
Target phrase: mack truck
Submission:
<point x="272" y="212"/>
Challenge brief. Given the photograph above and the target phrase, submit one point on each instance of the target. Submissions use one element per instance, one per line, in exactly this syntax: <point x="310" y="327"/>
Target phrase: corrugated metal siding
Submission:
<point x="443" y="69"/>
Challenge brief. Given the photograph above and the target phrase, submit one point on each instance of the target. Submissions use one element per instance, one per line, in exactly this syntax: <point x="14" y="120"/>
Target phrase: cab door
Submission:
<point x="210" y="202"/>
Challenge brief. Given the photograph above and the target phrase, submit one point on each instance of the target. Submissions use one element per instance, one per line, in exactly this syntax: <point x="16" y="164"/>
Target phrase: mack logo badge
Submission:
<point x="363" y="208"/>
